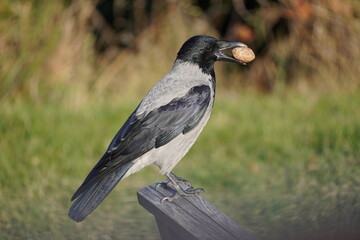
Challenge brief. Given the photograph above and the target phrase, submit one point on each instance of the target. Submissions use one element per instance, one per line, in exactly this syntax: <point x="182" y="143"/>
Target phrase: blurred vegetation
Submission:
<point x="64" y="51"/>
<point x="284" y="164"/>
<point x="283" y="167"/>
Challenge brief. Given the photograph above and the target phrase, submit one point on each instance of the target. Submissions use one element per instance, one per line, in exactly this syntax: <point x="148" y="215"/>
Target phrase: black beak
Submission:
<point x="225" y="45"/>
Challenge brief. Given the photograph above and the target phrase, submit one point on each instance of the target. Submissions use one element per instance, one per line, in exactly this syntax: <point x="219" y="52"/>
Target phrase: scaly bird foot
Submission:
<point x="173" y="183"/>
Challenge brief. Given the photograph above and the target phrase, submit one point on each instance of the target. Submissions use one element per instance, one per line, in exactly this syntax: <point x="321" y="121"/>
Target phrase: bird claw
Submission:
<point x="159" y="184"/>
<point x="192" y="191"/>
<point x="197" y="191"/>
<point x="170" y="199"/>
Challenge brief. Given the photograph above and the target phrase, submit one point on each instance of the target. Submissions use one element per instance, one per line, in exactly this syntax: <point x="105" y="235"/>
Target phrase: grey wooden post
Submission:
<point x="188" y="217"/>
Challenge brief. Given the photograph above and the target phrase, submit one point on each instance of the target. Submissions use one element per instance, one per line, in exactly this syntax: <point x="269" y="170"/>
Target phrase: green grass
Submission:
<point x="284" y="167"/>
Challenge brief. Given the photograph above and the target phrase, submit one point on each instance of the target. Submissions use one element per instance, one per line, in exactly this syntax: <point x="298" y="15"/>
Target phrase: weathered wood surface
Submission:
<point x="188" y="217"/>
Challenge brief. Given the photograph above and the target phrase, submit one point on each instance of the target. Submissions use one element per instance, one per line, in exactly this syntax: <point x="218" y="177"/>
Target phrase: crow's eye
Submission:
<point x="208" y="49"/>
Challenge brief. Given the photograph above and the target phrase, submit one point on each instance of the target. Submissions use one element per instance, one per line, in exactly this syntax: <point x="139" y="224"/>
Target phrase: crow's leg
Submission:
<point x="173" y="183"/>
<point x="181" y="180"/>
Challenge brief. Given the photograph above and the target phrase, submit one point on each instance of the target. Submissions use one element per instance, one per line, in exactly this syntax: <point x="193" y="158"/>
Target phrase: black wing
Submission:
<point x="140" y="134"/>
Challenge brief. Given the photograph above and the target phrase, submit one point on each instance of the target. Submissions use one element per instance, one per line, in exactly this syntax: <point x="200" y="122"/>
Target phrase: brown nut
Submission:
<point x="243" y="54"/>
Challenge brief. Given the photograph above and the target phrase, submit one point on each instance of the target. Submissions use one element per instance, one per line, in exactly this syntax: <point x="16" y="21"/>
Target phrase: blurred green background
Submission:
<point x="280" y="154"/>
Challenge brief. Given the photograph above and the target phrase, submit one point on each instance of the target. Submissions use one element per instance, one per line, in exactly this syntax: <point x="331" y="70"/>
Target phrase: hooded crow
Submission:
<point x="163" y="127"/>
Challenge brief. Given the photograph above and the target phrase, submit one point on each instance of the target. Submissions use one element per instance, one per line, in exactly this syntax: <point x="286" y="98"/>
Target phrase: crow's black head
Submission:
<point x="204" y="51"/>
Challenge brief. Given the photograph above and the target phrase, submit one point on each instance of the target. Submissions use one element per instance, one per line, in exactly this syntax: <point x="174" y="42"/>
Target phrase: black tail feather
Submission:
<point x="90" y="199"/>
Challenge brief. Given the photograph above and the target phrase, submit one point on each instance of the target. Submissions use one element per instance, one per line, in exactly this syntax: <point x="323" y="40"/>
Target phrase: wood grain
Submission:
<point x="188" y="217"/>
